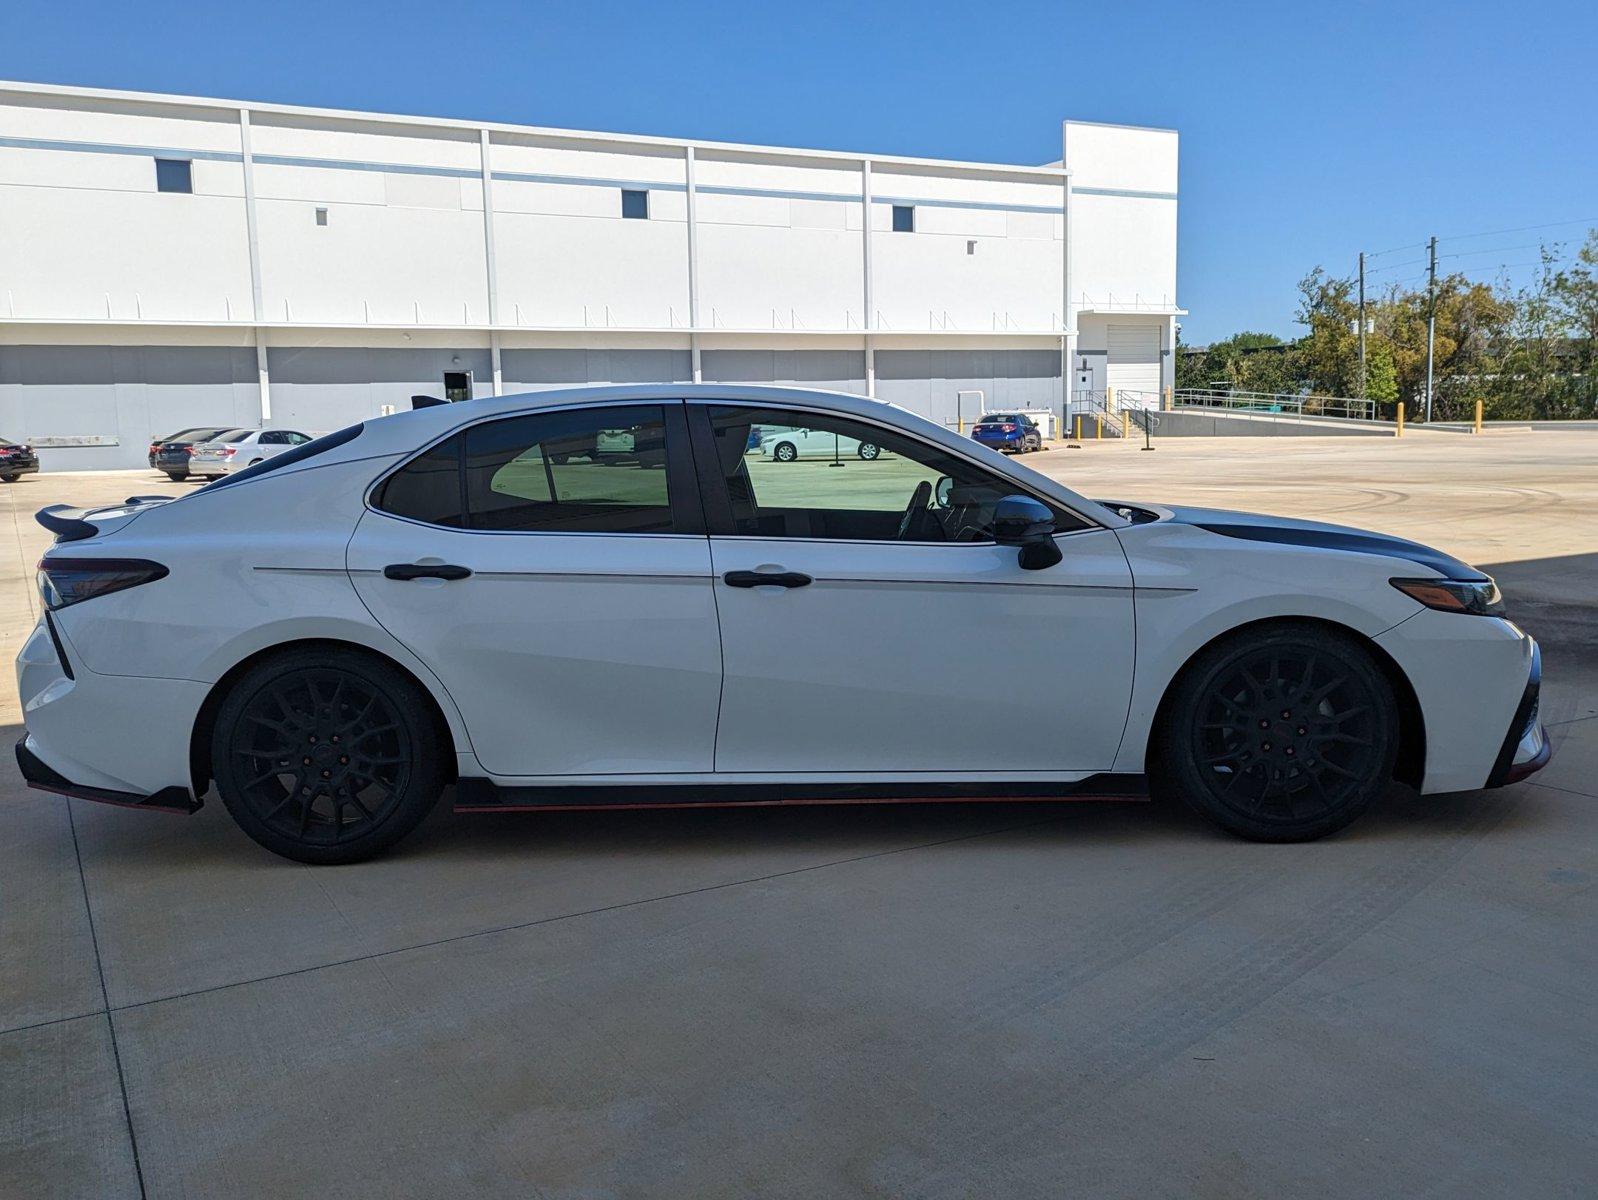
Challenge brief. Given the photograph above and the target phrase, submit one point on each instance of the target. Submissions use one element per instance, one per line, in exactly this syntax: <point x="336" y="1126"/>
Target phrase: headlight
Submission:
<point x="1477" y="597"/>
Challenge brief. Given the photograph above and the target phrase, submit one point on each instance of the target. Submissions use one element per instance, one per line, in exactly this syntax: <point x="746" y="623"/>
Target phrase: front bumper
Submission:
<point x="1526" y="748"/>
<point x="19" y="466"/>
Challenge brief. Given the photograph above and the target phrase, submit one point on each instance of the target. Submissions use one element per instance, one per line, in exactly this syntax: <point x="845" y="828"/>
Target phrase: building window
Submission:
<point x="904" y="218"/>
<point x="321" y="216"/>
<point x="174" y="175"/>
<point x="635" y="205"/>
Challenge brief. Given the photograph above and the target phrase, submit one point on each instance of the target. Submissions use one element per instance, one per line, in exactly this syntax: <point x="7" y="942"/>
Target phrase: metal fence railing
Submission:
<point x="1278" y="403"/>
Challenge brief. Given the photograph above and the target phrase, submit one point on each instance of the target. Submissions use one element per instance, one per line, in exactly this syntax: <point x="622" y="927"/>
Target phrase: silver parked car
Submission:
<point x="240" y="448"/>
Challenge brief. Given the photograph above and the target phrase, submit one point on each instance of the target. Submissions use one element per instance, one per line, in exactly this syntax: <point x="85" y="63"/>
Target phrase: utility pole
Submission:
<point x="1431" y="321"/>
<point x="1362" y="324"/>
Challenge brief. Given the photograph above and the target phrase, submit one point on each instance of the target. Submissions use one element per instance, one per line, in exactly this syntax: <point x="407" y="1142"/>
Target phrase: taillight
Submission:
<point x="229" y="451"/>
<point x="189" y="450"/>
<point x="64" y="581"/>
<point x="1007" y="428"/>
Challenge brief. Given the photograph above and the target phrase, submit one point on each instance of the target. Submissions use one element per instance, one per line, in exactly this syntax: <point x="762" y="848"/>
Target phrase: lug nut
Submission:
<point x="1302" y="731"/>
<point x="307" y="760"/>
<point x="328" y="774"/>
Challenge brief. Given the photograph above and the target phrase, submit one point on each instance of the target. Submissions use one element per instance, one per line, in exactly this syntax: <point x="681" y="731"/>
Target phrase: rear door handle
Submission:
<point x="425" y="571"/>
<point x="749" y="579"/>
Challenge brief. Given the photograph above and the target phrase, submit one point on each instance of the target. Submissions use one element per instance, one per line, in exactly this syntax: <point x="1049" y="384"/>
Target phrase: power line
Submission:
<point x="1460" y="237"/>
<point x="1493" y="250"/>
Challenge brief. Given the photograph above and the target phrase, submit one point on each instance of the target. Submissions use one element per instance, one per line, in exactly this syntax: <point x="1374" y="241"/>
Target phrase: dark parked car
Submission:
<point x="1014" y="433"/>
<point x="16" y="460"/>
<point x="171" y="454"/>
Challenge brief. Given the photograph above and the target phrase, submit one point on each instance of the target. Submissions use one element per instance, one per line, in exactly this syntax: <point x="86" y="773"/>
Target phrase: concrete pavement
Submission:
<point x="940" y="1001"/>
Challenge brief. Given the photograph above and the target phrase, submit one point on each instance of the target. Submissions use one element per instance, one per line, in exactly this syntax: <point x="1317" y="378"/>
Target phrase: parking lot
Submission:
<point x="931" y="1001"/>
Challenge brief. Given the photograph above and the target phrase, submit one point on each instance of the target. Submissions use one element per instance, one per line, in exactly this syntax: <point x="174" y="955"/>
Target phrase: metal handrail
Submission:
<point x="1278" y="403"/>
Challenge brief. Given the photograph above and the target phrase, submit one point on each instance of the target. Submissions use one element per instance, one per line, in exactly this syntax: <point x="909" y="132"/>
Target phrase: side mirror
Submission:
<point x="942" y="490"/>
<point x="1027" y="523"/>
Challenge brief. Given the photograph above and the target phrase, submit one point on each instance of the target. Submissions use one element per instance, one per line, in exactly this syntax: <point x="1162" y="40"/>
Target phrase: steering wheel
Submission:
<point x="917" y="505"/>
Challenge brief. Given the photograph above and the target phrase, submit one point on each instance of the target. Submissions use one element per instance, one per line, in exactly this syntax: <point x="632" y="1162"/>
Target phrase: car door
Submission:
<point x="561" y="595"/>
<point x="877" y="645"/>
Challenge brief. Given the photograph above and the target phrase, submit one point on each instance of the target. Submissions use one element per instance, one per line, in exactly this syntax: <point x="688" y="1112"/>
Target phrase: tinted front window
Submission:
<point x="818" y="476"/>
<point x="236" y="435"/>
<point x="589" y="471"/>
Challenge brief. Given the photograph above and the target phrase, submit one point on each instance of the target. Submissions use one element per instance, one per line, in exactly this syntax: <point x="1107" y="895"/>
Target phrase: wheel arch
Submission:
<point x="200" y="773"/>
<point x="1410" y="767"/>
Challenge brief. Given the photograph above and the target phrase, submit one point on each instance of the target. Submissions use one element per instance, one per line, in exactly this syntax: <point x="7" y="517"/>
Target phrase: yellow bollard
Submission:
<point x="1126" y="425"/>
<point x="1098" y="426"/>
<point x="1166" y="402"/>
<point x="1478" y="417"/>
<point x="1109" y="399"/>
<point x="1079" y="427"/>
<point x="1400" y="430"/>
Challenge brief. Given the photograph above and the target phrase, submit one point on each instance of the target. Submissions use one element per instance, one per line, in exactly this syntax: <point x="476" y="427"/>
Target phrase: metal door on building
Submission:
<point x="1133" y="364"/>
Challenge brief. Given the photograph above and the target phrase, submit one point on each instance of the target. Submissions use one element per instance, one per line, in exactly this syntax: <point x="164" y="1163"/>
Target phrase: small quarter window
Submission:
<point x="321" y="216"/>
<point x="904" y="218"/>
<point x="174" y="175"/>
<point x="635" y="205"/>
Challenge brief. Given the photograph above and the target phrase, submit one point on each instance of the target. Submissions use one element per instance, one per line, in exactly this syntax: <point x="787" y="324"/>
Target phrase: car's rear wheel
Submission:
<point x="177" y="476"/>
<point x="868" y="451"/>
<point x="10" y="478"/>
<point x="326" y="757"/>
<point x="1282" y="734"/>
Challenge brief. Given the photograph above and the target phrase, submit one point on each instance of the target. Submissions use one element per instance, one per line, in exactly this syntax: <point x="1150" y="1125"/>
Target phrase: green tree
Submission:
<point x="1381" y="378"/>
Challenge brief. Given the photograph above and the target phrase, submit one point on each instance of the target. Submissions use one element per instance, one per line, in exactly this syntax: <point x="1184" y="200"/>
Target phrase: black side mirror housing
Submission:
<point x="1027" y="523"/>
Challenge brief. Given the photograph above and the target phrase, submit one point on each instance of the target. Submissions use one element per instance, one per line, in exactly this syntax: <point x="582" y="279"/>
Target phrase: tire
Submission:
<point x="10" y="478"/>
<point x="253" y="461"/>
<point x="1225" y="747"/>
<point x="177" y="476"/>
<point x="351" y="728"/>
<point x="868" y="451"/>
<point x="785" y="452"/>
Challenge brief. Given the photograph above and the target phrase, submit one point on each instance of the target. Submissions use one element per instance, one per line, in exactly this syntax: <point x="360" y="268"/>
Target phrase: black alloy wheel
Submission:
<point x="326" y="757"/>
<point x="1286" y="734"/>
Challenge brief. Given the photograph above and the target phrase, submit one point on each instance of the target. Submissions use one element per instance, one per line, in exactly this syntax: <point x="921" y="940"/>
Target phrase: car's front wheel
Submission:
<point x="326" y="756"/>
<point x="1283" y="733"/>
<point x="9" y="478"/>
<point x="785" y="452"/>
<point x="868" y="451"/>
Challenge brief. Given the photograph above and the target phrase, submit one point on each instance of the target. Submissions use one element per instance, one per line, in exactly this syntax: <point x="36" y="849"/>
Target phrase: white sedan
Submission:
<point x="239" y="448"/>
<point x="790" y="443"/>
<point x="467" y="595"/>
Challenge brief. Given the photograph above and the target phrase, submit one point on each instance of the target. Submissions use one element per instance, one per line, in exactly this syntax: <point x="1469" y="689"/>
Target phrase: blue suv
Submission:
<point x="1011" y="433"/>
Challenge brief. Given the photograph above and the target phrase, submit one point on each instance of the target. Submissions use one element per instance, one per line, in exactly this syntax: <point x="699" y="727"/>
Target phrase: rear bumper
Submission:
<point x="40" y="775"/>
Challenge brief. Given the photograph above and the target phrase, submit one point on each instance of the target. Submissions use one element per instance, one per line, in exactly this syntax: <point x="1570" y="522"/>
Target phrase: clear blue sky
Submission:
<point x="1309" y="130"/>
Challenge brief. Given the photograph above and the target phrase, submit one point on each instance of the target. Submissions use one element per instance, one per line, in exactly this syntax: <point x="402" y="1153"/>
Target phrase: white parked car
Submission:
<point x="467" y="594"/>
<point x="788" y="444"/>
<point x="240" y="448"/>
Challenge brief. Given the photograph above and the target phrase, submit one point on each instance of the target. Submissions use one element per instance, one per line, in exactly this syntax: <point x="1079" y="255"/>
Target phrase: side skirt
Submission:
<point x="484" y="795"/>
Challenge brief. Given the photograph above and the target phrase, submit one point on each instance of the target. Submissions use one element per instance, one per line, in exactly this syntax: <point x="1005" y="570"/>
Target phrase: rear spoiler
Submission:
<point x="66" y="522"/>
<point x="72" y="524"/>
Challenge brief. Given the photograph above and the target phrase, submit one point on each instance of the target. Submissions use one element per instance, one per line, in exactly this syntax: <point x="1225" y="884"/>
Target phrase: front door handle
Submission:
<point x="425" y="571"/>
<point x="749" y="579"/>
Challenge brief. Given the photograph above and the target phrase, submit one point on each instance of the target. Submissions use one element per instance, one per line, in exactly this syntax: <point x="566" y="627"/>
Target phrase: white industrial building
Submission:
<point x="170" y="260"/>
